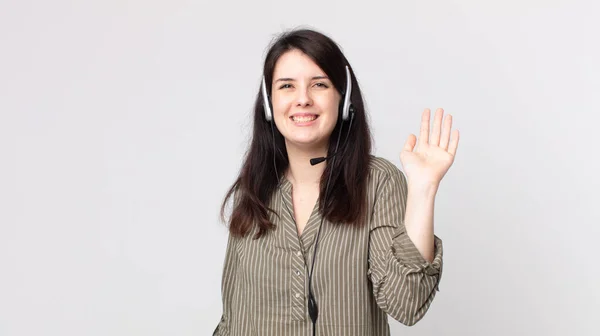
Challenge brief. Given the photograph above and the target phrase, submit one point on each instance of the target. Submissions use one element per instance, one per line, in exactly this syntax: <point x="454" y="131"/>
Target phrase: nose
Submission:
<point x="303" y="98"/>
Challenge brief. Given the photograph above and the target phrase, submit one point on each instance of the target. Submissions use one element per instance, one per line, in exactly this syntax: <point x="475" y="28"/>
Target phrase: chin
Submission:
<point x="307" y="143"/>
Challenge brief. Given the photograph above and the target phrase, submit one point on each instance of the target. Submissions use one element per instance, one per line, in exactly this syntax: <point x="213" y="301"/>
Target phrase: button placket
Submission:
<point x="298" y="286"/>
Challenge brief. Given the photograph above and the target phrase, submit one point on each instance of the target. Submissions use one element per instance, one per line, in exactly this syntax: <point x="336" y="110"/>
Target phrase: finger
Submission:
<point x="410" y="143"/>
<point x="446" y="132"/>
<point x="454" y="142"/>
<point x="424" y="134"/>
<point x="437" y="126"/>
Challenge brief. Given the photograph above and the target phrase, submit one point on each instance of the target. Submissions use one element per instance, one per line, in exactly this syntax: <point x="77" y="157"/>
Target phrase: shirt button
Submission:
<point x="297" y="295"/>
<point x="299" y="253"/>
<point x="297" y="272"/>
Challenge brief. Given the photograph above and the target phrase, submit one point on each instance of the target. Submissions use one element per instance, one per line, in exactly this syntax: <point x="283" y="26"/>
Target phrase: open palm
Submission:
<point x="429" y="162"/>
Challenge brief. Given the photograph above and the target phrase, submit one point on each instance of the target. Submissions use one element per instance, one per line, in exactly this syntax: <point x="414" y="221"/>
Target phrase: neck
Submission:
<point x="300" y="171"/>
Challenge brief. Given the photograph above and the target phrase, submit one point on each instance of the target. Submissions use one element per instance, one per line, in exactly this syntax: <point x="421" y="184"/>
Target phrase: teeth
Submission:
<point x="304" y="119"/>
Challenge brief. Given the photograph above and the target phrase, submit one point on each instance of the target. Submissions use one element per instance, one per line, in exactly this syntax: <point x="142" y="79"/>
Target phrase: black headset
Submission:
<point x="346" y="112"/>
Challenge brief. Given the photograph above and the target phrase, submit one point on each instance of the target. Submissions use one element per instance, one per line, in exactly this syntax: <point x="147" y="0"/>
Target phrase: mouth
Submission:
<point x="304" y="118"/>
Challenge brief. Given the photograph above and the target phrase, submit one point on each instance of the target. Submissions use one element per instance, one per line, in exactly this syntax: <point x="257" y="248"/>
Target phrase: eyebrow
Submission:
<point x="287" y="79"/>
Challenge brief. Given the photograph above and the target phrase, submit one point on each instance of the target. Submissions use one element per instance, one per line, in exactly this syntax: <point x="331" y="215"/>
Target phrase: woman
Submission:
<point x="333" y="246"/>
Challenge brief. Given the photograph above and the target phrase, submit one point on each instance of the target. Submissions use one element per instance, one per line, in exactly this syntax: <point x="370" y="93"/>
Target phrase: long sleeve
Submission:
<point x="228" y="287"/>
<point x="404" y="283"/>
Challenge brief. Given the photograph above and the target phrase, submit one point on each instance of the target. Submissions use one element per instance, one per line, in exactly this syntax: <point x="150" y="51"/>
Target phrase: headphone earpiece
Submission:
<point x="266" y="101"/>
<point x="346" y="108"/>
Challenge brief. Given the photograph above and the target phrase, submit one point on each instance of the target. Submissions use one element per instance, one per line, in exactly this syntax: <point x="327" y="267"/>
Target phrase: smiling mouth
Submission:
<point x="304" y="118"/>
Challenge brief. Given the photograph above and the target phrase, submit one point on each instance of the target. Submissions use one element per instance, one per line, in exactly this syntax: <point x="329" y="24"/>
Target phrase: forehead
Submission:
<point x="296" y="64"/>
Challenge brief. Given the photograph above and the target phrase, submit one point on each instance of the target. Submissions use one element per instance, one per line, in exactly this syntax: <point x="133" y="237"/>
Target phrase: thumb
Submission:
<point x="410" y="143"/>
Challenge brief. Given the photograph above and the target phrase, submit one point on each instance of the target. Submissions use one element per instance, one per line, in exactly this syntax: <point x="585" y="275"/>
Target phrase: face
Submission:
<point x="305" y="102"/>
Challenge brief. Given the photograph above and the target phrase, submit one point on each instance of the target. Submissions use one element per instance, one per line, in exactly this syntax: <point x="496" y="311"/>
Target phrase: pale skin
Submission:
<point x="300" y="86"/>
<point x="426" y="161"/>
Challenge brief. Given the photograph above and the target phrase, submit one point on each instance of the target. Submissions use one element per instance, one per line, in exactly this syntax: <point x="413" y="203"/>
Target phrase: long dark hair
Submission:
<point x="257" y="180"/>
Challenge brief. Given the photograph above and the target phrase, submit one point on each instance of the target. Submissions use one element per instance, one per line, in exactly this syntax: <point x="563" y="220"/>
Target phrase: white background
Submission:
<point x="122" y="124"/>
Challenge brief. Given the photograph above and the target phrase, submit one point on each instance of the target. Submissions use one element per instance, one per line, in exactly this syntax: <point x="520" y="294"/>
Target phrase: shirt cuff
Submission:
<point x="407" y="253"/>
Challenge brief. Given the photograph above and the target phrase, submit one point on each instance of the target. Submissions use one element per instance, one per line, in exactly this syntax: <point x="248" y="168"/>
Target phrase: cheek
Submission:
<point x="330" y="108"/>
<point x="330" y="102"/>
<point x="280" y="106"/>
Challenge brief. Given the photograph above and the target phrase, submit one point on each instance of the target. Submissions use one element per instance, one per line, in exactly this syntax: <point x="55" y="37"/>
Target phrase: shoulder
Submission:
<point x="387" y="190"/>
<point x="382" y="171"/>
<point x="381" y="165"/>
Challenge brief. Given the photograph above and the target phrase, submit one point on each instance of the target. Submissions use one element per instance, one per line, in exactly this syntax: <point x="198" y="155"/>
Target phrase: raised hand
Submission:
<point x="428" y="163"/>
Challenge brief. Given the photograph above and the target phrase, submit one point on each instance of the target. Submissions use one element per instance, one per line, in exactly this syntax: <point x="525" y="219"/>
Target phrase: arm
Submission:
<point x="227" y="287"/>
<point x="404" y="282"/>
<point x="419" y="218"/>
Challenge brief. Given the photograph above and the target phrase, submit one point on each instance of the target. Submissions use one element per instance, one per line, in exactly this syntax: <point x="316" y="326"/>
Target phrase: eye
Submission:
<point x="285" y="86"/>
<point x="323" y="85"/>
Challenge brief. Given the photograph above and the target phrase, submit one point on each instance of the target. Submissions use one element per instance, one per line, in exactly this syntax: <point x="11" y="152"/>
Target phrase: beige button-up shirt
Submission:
<point x="360" y="274"/>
